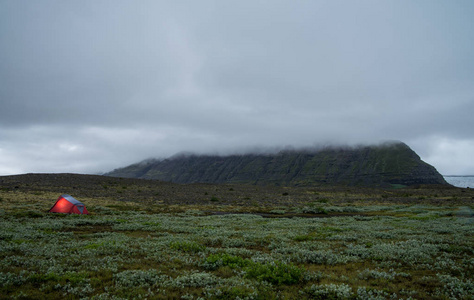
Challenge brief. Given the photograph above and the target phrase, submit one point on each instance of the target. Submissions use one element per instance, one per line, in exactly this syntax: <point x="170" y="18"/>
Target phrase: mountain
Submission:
<point x="387" y="164"/>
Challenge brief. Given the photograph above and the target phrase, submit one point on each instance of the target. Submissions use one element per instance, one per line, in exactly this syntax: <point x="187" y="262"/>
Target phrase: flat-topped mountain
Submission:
<point x="382" y="165"/>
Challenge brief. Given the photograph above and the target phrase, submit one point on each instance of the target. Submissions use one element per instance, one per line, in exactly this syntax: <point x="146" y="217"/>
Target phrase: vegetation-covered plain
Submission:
<point x="145" y="239"/>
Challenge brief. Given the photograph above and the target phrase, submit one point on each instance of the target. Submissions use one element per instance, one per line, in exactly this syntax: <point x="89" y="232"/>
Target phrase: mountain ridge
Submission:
<point x="388" y="164"/>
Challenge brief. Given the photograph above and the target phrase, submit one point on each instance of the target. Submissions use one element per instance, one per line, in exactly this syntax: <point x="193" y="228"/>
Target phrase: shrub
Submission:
<point x="41" y="278"/>
<point x="231" y="292"/>
<point x="329" y="291"/>
<point x="198" y="279"/>
<point x="138" y="278"/>
<point x="371" y="293"/>
<point x="455" y="288"/>
<point x="187" y="246"/>
<point x="277" y="273"/>
<point x="377" y="274"/>
<point x="215" y="261"/>
<point x="7" y="279"/>
<point x="236" y="288"/>
<point x="302" y="238"/>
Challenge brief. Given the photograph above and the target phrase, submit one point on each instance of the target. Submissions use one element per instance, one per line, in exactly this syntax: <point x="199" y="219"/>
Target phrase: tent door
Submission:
<point x="80" y="208"/>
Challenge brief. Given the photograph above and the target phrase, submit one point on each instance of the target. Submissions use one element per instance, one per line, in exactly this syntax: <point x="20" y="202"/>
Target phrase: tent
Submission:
<point x="68" y="205"/>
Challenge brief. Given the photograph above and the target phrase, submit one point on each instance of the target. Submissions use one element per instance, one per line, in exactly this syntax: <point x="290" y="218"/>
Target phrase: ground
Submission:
<point x="155" y="240"/>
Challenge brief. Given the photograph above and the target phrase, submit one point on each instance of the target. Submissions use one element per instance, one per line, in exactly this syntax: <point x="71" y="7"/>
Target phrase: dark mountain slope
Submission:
<point x="382" y="165"/>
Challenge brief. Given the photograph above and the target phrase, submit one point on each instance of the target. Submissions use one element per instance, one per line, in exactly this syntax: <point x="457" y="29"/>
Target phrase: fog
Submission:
<point x="90" y="86"/>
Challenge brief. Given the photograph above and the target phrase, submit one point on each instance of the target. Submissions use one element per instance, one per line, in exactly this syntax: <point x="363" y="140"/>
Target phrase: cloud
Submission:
<point x="90" y="86"/>
<point x="450" y="156"/>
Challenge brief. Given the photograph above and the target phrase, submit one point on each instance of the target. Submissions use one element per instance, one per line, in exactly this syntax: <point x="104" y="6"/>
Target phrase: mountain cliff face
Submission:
<point x="383" y="165"/>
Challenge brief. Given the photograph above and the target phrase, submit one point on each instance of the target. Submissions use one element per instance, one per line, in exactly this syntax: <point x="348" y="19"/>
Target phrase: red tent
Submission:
<point x="68" y="205"/>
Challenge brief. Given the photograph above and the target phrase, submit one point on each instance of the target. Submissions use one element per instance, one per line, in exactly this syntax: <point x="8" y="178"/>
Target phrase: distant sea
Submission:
<point x="460" y="181"/>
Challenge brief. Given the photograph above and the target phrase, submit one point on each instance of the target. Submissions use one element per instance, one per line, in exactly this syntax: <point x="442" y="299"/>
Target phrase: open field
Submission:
<point x="148" y="239"/>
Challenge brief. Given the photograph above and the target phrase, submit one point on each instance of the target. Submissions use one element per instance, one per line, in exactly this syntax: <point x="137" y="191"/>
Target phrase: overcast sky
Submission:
<point x="90" y="86"/>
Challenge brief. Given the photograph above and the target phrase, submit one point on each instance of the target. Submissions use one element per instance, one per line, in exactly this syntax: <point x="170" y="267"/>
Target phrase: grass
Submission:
<point x="363" y="246"/>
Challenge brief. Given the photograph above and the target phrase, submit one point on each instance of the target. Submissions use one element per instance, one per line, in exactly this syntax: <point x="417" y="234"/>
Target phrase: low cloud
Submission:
<point x="91" y="86"/>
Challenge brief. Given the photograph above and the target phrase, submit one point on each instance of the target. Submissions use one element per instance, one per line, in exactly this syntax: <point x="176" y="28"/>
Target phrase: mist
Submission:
<point x="91" y="86"/>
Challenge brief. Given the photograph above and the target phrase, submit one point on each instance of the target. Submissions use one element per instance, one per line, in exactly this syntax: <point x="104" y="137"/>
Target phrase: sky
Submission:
<point x="87" y="86"/>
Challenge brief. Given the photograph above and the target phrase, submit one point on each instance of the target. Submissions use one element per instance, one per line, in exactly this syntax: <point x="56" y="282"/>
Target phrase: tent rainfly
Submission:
<point x="66" y="204"/>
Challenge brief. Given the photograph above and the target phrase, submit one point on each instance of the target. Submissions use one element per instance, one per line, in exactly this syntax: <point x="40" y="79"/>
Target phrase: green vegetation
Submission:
<point x="390" y="165"/>
<point x="187" y="246"/>
<point x="364" y="246"/>
<point x="275" y="272"/>
<point x="157" y="255"/>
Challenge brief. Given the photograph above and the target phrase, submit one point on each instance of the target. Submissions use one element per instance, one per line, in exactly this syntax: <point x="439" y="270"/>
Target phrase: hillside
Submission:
<point x="382" y="165"/>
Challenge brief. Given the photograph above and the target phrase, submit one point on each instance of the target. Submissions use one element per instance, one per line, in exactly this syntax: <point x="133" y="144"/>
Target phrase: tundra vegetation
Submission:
<point x="146" y="239"/>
